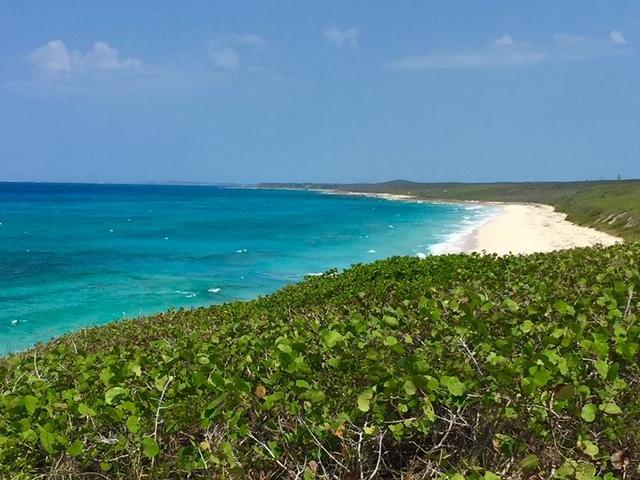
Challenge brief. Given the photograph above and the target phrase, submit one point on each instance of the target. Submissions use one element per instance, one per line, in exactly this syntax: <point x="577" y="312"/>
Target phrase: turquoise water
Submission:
<point x="79" y="255"/>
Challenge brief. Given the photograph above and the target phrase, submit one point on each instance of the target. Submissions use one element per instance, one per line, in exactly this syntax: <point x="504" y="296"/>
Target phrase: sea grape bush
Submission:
<point x="453" y="367"/>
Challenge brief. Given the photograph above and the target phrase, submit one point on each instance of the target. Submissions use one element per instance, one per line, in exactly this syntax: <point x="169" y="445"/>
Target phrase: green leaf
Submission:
<point x="510" y="305"/>
<point x="453" y="384"/>
<point x="333" y="362"/>
<point x="303" y="384"/>
<point x="585" y="471"/>
<point x="30" y="403"/>
<point x="590" y="448"/>
<point x="160" y="382"/>
<point x="602" y="367"/>
<point x="610" y="408"/>
<point x="526" y="326"/>
<point x="75" y="449"/>
<point x="133" y="423"/>
<point x="332" y="338"/>
<point x="391" y="321"/>
<point x="588" y="412"/>
<point x="541" y="376"/>
<point x="563" y="308"/>
<point x="364" y="400"/>
<point x="271" y="400"/>
<point x="135" y="368"/>
<point x="529" y="462"/>
<point x="566" y="392"/>
<point x="112" y="393"/>
<point x="390" y="341"/>
<point x="86" y="410"/>
<point x="409" y="387"/>
<point x="421" y="366"/>
<point x="106" y="375"/>
<point x="314" y="396"/>
<point x="48" y="439"/>
<point x="427" y="409"/>
<point x="150" y="447"/>
<point x="566" y="470"/>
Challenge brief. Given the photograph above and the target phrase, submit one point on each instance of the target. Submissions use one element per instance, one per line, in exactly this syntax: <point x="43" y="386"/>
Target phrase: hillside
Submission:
<point x="610" y="206"/>
<point x="463" y="366"/>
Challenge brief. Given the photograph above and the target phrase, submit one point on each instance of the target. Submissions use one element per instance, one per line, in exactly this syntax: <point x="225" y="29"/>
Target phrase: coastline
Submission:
<point x="523" y="228"/>
<point x="516" y="228"/>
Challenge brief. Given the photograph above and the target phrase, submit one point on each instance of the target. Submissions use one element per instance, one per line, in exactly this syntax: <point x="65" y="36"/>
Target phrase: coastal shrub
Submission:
<point x="458" y="366"/>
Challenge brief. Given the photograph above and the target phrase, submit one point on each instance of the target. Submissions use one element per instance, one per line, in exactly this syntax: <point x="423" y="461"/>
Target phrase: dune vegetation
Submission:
<point x="458" y="366"/>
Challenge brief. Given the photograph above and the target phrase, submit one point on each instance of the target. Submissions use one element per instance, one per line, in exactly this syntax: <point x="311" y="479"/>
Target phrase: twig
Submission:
<point x="273" y="455"/>
<point x="155" y="427"/>
<point x="302" y="469"/>
<point x="35" y="365"/>
<point x="322" y="446"/>
<point x="359" y="452"/>
<point x="324" y="471"/>
<point x="375" y="471"/>
<point x="15" y="384"/>
<point x="444" y="437"/>
<point x="470" y="353"/>
<point x="626" y="310"/>
<point x="206" y="467"/>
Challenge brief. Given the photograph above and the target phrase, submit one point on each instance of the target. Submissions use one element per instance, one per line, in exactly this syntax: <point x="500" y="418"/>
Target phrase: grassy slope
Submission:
<point x="611" y="206"/>
<point x="458" y="363"/>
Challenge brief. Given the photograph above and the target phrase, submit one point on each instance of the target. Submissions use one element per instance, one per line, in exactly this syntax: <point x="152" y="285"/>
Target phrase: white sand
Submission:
<point x="529" y="228"/>
<point x="518" y="228"/>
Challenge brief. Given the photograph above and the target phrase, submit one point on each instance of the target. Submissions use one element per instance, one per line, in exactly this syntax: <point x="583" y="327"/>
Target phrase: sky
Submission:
<point x="332" y="91"/>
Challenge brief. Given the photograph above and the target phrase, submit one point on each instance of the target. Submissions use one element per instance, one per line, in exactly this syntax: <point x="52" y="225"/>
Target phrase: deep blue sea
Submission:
<point x="78" y="255"/>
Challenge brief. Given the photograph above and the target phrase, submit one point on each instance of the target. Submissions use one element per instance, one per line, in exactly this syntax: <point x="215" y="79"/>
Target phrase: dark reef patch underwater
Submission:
<point x="459" y="366"/>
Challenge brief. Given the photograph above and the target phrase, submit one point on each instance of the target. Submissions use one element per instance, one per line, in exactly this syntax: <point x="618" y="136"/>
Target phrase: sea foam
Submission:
<point x="456" y="241"/>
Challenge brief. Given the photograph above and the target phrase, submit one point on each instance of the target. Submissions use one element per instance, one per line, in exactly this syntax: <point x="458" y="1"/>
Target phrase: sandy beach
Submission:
<point x="529" y="228"/>
<point x="518" y="228"/>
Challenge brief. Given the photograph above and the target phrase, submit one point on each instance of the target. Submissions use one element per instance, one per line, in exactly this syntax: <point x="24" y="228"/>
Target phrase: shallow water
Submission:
<point x="78" y="255"/>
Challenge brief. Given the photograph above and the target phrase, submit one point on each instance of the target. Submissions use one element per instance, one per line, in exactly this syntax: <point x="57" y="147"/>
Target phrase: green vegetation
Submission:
<point x="610" y="206"/>
<point x="460" y="366"/>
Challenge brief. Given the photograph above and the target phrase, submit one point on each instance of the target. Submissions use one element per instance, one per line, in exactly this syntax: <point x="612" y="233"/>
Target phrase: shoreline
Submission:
<point x="515" y="228"/>
<point x="399" y="197"/>
<point x="524" y="228"/>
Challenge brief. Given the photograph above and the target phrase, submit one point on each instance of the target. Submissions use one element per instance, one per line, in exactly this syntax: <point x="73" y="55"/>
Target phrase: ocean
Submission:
<point x="76" y="255"/>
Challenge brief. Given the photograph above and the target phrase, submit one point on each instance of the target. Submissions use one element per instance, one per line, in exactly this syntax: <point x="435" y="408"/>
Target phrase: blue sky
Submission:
<point x="136" y="91"/>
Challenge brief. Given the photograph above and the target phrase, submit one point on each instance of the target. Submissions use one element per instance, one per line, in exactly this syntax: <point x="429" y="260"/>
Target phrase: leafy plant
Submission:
<point x="459" y="366"/>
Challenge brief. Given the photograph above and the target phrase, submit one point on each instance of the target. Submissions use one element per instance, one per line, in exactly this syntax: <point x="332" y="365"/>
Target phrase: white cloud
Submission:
<point x="223" y="57"/>
<point x="446" y="60"/>
<point x="504" y="51"/>
<point x="341" y="38"/>
<point x="55" y="58"/>
<point x="504" y="41"/>
<point x="224" y="52"/>
<point x="101" y="68"/>
<point x="105" y="57"/>
<point x="617" y="37"/>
